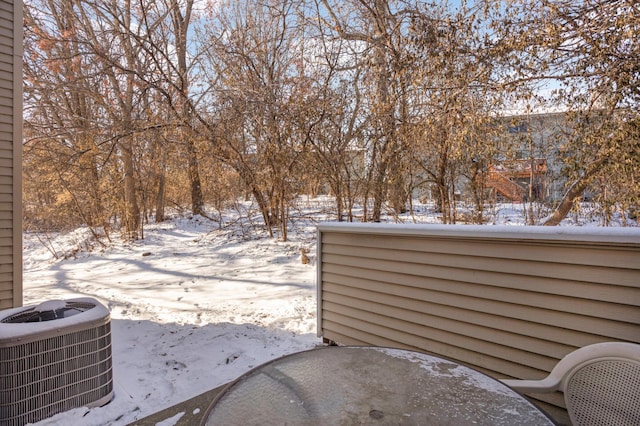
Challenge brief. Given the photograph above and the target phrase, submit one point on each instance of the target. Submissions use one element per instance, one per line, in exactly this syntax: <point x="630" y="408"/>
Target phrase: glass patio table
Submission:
<point x="369" y="385"/>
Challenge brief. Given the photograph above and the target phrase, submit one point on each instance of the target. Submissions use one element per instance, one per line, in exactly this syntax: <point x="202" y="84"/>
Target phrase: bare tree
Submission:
<point x="590" y="50"/>
<point x="255" y="52"/>
<point x="375" y="29"/>
<point x="64" y="117"/>
<point x="181" y="11"/>
<point x="126" y="110"/>
<point x="107" y="28"/>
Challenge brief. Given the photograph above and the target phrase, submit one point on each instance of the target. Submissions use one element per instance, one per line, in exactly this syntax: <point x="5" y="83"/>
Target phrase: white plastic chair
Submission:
<point x="600" y="382"/>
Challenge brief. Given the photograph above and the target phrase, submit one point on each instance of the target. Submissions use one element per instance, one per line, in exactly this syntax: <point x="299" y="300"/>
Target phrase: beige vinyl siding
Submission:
<point x="511" y="303"/>
<point x="10" y="154"/>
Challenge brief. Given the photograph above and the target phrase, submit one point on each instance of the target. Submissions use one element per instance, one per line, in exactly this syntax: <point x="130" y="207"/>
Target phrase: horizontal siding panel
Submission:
<point x="562" y="319"/>
<point x="6" y="294"/>
<point x="628" y="291"/>
<point x="6" y="68"/>
<point x="6" y="75"/>
<point x="6" y="110"/>
<point x="6" y="266"/>
<point x="6" y="24"/>
<point x="6" y="100"/>
<point x="4" y="153"/>
<point x="568" y="253"/>
<point x="6" y="49"/>
<point x="6" y="303"/>
<point x="6" y="207"/>
<point x="458" y="333"/>
<point x="6" y="128"/>
<point x="6" y="236"/>
<point x="5" y="285"/>
<point x="6" y="142"/>
<point x="428" y="343"/>
<point x="481" y="291"/>
<point x="349" y="339"/>
<point x="6" y="223"/>
<point x="7" y="7"/>
<point x="6" y="34"/>
<point x="523" y="269"/>
<point x="534" y="331"/>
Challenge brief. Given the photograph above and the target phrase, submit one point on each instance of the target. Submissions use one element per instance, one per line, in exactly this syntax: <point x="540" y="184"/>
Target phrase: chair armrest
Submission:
<point x="548" y="384"/>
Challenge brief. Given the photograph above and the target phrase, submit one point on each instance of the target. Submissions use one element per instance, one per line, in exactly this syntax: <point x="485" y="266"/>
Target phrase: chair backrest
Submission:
<point x="605" y="389"/>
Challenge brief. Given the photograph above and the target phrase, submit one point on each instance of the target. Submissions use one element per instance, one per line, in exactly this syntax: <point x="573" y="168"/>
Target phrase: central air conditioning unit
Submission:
<point x="54" y="357"/>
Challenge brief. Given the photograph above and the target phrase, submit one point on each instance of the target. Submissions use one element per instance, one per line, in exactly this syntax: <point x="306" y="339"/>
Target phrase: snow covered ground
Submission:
<point x="193" y="305"/>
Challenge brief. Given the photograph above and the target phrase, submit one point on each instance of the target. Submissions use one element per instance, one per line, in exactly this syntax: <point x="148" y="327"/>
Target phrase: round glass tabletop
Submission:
<point x="365" y="385"/>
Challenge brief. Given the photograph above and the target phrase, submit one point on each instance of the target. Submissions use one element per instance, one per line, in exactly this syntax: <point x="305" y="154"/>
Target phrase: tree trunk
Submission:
<point x="384" y="103"/>
<point x="284" y="210"/>
<point x="575" y="192"/>
<point x="197" y="200"/>
<point x="132" y="210"/>
<point x="397" y="189"/>
<point x="160" y="198"/>
<point x="566" y="204"/>
<point x="378" y="195"/>
<point x="181" y="20"/>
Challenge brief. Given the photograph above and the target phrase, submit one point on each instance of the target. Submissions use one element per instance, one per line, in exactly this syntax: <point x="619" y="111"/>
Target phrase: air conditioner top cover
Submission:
<point x="64" y="316"/>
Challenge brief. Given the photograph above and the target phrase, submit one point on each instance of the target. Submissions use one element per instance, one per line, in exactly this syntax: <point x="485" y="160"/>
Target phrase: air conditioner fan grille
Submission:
<point x="33" y="315"/>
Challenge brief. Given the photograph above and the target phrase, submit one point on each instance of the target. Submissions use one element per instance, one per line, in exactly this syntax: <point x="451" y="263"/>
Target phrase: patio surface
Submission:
<point x="193" y="411"/>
